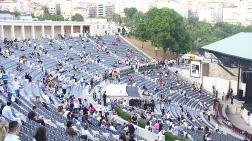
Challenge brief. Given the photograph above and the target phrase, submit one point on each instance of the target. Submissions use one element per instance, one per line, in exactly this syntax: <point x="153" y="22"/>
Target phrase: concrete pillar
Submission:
<point x="71" y="30"/>
<point x="43" y="31"/>
<point x="62" y="30"/>
<point x="12" y="32"/>
<point x="2" y="32"/>
<point x="33" y="32"/>
<point x="92" y="30"/>
<point x="52" y="30"/>
<point x="23" y="32"/>
<point x="81" y="30"/>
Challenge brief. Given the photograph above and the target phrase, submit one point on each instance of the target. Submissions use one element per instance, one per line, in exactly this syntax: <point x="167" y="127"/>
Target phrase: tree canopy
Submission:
<point x="204" y="33"/>
<point x="17" y="14"/>
<point x="165" y="28"/>
<point x="77" y="17"/>
<point x="47" y="16"/>
<point x="129" y="12"/>
<point x="168" y="30"/>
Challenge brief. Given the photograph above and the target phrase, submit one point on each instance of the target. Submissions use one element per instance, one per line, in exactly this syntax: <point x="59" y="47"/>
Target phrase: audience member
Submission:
<point x="69" y="129"/>
<point x="40" y="134"/>
<point x="7" y="113"/>
<point x="32" y="115"/>
<point x="3" y="130"/>
<point x="13" y="132"/>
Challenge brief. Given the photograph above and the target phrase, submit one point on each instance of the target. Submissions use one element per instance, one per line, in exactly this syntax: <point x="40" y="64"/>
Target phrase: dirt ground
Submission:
<point x="149" y="49"/>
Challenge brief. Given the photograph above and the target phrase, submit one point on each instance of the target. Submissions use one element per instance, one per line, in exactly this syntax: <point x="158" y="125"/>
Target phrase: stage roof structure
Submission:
<point x="238" y="46"/>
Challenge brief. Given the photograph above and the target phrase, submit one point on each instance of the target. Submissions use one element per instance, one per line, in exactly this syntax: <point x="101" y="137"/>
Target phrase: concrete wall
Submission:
<point x="86" y="29"/>
<point x="102" y="25"/>
<point x="48" y="31"/>
<point x="99" y="29"/>
<point x="217" y="71"/>
<point x="67" y="30"/>
<point x="233" y="85"/>
<point x="18" y="32"/>
<point x="1" y="32"/>
<point x="57" y="31"/>
<point x="28" y="32"/>
<point x="221" y="85"/>
<point x="76" y="29"/>
<point x="38" y="32"/>
<point x="247" y="118"/>
<point x="7" y="32"/>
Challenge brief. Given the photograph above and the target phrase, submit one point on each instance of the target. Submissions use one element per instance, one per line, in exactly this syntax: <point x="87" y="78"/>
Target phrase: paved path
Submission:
<point x="239" y="122"/>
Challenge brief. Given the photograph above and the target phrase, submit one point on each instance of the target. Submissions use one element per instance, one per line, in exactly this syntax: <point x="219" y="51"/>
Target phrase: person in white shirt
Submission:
<point x="14" y="129"/>
<point x="46" y="98"/>
<point x="160" y="136"/>
<point x="7" y="113"/>
<point x="85" y="133"/>
<point x="15" y="84"/>
<point x="112" y="128"/>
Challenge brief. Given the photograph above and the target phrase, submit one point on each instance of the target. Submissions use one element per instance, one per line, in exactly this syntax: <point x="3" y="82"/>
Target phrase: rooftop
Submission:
<point x="238" y="45"/>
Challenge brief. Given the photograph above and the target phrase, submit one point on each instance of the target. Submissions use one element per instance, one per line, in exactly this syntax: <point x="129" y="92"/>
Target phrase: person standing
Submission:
<point x="5" y="78"/>
<point x="131" y="130"/>
<point x="16" y="85"/>
<point x="104" y="98"/>
<point x="64" y="88"/>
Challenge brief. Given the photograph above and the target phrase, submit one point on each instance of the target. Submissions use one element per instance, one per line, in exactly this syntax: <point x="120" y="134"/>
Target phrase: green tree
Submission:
<point x="129" y="12"/>
<point x="202" y="33"/>
<point x="132" y="20"/>
<point x="46" y="11"/>
<point x="167" y="30"/>
<point x="77" y="17"/>
<point x="224" y="30"/>
<point x="141" y="32"/>
<point x="117" y="18"/>
<point x="17" y="14"/>
<point x="4" y="11"/>
<point x="48" y="16"/>
<point x="33" y="16"/>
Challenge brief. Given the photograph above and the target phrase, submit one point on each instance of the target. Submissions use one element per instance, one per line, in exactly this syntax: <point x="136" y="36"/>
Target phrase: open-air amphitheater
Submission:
<point x="85" y="63"/>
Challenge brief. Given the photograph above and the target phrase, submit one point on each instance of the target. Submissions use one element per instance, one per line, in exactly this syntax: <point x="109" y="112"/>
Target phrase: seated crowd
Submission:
<point x="48" y="83"/>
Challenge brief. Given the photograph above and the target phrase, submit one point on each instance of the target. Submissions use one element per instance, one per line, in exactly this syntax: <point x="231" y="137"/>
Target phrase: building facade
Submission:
<point x="13" y="29"/>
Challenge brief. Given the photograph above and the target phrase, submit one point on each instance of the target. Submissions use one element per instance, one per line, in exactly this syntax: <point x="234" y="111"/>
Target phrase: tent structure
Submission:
<point x="237" y="46"/>
<point x="121" y="90"/>
<point x="238" y="50"/>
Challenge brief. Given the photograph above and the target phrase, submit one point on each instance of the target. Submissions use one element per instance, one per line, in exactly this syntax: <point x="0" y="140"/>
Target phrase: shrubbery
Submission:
<point x="122" y="114"/>
<point x="141" y="123"/>
<point x="127" y="116"/>
<point x="170" y="137"/>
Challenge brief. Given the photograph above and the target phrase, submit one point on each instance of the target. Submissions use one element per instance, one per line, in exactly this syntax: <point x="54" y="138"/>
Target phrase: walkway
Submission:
<point x="239" y="122"/>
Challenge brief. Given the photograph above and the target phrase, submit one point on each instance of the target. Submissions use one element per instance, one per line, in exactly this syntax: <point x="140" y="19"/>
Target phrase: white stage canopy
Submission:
<point x="116" y="90"/>
<point x="121" y="90"/>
